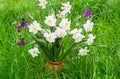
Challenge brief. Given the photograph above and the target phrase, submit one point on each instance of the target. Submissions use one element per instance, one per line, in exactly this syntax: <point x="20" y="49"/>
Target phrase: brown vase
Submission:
<point x="55" y="65"/>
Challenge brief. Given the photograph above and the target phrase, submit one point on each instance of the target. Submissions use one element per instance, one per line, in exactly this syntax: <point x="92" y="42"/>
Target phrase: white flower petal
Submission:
<point x="88" y="26"/>
<point x="34" y="27"/>
<point x="76" y="31"/>
<point x="66" y="7"/>
<point x="50" y="20"/>
<point x="65" y="24"/>
<point x="50" y="37"/>
<point x="43" y="3"/>
<point x="34" y="52"/>
<point x="83" y="52"/>
<point x="90" y="40"/>
<point x="78" y="37"/>
<point x="60" y="32"/>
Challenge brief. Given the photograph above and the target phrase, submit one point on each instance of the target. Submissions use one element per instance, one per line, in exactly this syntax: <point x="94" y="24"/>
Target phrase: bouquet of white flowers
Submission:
<point x="58" y="38"/>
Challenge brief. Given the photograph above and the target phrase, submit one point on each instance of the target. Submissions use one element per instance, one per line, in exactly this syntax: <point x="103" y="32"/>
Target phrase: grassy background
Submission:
<point x="103" y="62"/>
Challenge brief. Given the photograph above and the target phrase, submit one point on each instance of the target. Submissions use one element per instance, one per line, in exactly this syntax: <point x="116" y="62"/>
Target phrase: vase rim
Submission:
<point x="56" y="62"/>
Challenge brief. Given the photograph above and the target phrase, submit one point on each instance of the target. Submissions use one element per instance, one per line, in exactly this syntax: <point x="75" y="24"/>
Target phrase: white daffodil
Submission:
<point x="76" y="31"/>
<point x="34" y="27"/>
<point x="50" y="37"/>
<point x="77" y="24"/>
<point x="60" y="32"/>
<point x="83" y="52"/>
<point x="90" y="39"/>
<point x="43" y="3"/>
<point x="34" y="52"/>
<point x="88" y="26"/>
<point x="61" y="14"/>
<point x="65" y="24"/>
<point x="78" y="37"/>
<point x="50" y="20"/>
<point x="66" y="7"/>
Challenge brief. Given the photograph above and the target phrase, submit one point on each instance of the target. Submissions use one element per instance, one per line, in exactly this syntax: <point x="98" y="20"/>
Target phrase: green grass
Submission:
<point x="103" y="62"/>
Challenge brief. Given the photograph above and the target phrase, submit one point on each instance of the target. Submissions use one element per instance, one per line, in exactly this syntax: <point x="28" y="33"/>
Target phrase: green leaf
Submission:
<point x="2" y="58"/>
<point x="45" y="50"/>
<point x="41" y="40"/>
<point x="67" y="51"/>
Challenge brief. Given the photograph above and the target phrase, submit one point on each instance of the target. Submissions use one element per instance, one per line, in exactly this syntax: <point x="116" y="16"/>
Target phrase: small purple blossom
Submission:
<point x="24" y="24"/>
<point x="22" y="42"/>
<point x="19" y="28"/>
<point x="87" y="13"/>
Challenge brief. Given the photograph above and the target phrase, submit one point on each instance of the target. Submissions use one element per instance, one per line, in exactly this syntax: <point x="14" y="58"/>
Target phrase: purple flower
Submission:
<point x="22" y="42"/>
<point x="24" y="24"/>
<point x="19" y="28"/>
<point x="87" y="13"/>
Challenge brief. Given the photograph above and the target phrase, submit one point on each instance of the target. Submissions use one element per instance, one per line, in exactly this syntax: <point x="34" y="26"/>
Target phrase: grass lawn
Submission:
<point x="102" y="62"/>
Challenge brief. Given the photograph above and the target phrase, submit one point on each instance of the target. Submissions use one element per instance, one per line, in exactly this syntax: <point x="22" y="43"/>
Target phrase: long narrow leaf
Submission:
<point x="45" y="50"/>
<point x="66" y="52"/>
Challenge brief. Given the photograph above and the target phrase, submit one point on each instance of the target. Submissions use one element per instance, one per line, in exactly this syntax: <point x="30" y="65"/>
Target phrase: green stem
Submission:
<point x="53" y="52"/>
<point x="67" y="51"/>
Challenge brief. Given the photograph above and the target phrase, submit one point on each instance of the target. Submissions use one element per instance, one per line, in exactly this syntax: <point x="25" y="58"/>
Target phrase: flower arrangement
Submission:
<point x="57" y="39"/>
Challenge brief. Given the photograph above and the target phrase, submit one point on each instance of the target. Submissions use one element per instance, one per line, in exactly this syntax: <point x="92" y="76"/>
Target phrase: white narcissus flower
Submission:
<point x="34" y="52"/>
<point x="76" y="31"/>
<point x="43" y="3"/>
<point x="50" y="37"/>
<point x="50" y="20"/>
<point x="60" y="32"/>
<point x="66" y="7"/>
<point x="88" y="26"/>
<point x="77" y="24"/>
<point x="34" y="27"/>
<point x="90" y="39"/>
<point x="61" y="14"/>
<point x="78" y="37"/>
<point x="65" y="24"/>
<point x="83" y="52"/>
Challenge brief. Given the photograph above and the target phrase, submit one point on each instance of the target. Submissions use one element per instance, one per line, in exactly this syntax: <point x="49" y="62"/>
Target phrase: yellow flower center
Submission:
<point x="34" y="28"/>
<point x="49" y="21"/>
<point x="44" y="2"/>
<point x="76" y="32"/>
<point x="68" y="7"/>
<point x="66" y="24"/>
<point x="78" y="38"/>
<point x="89" y="26"/>
<point x="60" y="34"/>
<point x="34" y="52"/>
<point x="50" y="37"/>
